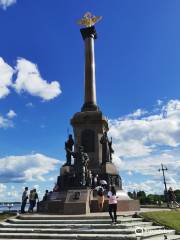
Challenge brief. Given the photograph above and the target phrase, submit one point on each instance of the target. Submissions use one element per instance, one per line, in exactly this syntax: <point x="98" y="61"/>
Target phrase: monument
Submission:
<point x="90" y="148"/>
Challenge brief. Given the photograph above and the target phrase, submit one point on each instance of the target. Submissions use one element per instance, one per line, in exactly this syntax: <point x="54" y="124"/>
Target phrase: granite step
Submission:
<point x="88" y="236"/>
<point x="67" y="221"/>
<point x="156" y="233"/>
<point x="85" y="228"/>
<point x="76" y="225"/>
<point x="77" y="230"/>
<point x="66" y="236"/>
<point x="69" y="217"/>
<point x="169" y="237"/>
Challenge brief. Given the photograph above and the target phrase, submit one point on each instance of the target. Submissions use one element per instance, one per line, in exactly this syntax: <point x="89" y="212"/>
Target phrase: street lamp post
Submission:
<point x="163" y="169"/>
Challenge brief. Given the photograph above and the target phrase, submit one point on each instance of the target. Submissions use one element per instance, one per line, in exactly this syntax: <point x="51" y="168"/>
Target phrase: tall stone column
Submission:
<point x="89" y="34"/>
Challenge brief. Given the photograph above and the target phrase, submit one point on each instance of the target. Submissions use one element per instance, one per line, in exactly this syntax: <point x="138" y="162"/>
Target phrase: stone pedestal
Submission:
<point x="125" y="203"/>
<point x="77" y="202"/>
<point x="66" y="178"/>
<point x="66" y="170"/>
<point x="54" y="204"/>
<point x="81" y="201"/>
<point x="88" y="129"/>
<point x="122" y="205"/>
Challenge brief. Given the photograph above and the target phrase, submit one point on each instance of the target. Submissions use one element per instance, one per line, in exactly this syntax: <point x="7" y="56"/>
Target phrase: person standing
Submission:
<point x="30" y="210"/>
<point x="112" y="204"/>
<point x="95" y="181"/>
<point x="34" y="198"/>
<point x="100" y="193"/>
<point x="24" y="199"/>
<point x="172" y="198"/>
<point x="45" y="197"/>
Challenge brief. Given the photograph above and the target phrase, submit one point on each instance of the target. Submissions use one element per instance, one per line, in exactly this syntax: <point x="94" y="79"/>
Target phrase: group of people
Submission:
<point x="32" y="197"/>
<point x="110" y="192"/>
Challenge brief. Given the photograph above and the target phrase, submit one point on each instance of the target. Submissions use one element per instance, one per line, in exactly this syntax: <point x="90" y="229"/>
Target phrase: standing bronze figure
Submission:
<point x="81" y="166"/>
<point x="69" y="147"/>
<point x="111" y="150"/>
<point x="106" y="148"/>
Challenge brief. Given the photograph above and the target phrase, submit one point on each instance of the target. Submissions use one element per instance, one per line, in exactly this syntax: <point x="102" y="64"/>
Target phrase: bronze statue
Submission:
<point x="89" y="179"/>
<point x="106" y="148"/>
<point x="81" y="166"/>
<point x="69" y="147"/>
<point x="111" y="150"/>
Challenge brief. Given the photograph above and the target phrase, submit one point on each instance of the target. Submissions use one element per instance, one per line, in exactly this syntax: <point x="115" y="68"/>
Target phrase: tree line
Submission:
<point x="151" y="198"/>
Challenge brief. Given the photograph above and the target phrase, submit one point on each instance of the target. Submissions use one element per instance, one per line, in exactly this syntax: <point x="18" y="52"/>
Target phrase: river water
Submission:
<point x="12" y="207"/>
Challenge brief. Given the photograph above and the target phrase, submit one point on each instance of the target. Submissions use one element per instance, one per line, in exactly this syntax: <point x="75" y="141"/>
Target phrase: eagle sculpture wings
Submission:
<point x="89" y="20"/>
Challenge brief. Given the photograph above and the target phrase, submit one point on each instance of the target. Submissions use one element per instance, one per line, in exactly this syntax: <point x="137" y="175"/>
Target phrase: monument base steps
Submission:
<point x="81" y="228"/>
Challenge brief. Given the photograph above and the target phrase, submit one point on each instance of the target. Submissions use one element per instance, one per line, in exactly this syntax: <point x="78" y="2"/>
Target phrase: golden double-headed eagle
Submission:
<point x="89" y="20"/>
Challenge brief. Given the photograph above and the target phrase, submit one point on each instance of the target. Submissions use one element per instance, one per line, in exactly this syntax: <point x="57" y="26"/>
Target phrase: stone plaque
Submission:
<point x="77" y="201"/>
<point x="78" y="195"/>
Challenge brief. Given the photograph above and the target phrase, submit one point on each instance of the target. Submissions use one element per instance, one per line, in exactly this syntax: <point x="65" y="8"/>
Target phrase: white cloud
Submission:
<point x="29" y="80"/>
<point x="26" y="168"/>
<point x="149" y="165"/>
<point x="159" y="102"/>
<point x="52" y="179"/>
<point x="6" y="73"/>
<point x="149" y="186"/>
<point x="11" y="114"/>
<point x="9" y="193"/>
<point x="140" y="137"/>
<point x="138" y="113"/>
<point x="142" y="143"/>
<point x="130" y="173"/>
<point x="6" y="3"/>
<point x="29" y="104"/>
<point x="2" y="187"/>
<point x="5" y="123"/>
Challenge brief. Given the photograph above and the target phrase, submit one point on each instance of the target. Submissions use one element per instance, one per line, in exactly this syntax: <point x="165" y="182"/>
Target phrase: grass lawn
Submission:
<point x="3" y="216"/>
<point x="170" y="219"/>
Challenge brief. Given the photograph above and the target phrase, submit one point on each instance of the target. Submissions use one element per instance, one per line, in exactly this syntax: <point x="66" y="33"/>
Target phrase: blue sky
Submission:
<point x="41" y="87"/>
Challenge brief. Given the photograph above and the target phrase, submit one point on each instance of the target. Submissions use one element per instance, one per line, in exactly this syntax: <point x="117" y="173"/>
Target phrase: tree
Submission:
<point x="141" y="195"/>
<point x="177" y="193"/>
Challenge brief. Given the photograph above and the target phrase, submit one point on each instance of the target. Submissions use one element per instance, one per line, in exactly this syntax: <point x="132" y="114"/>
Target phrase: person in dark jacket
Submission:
<point x="45" y="197"/>
<point x="112" y="204"/>
<point x="24" y="199"/>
